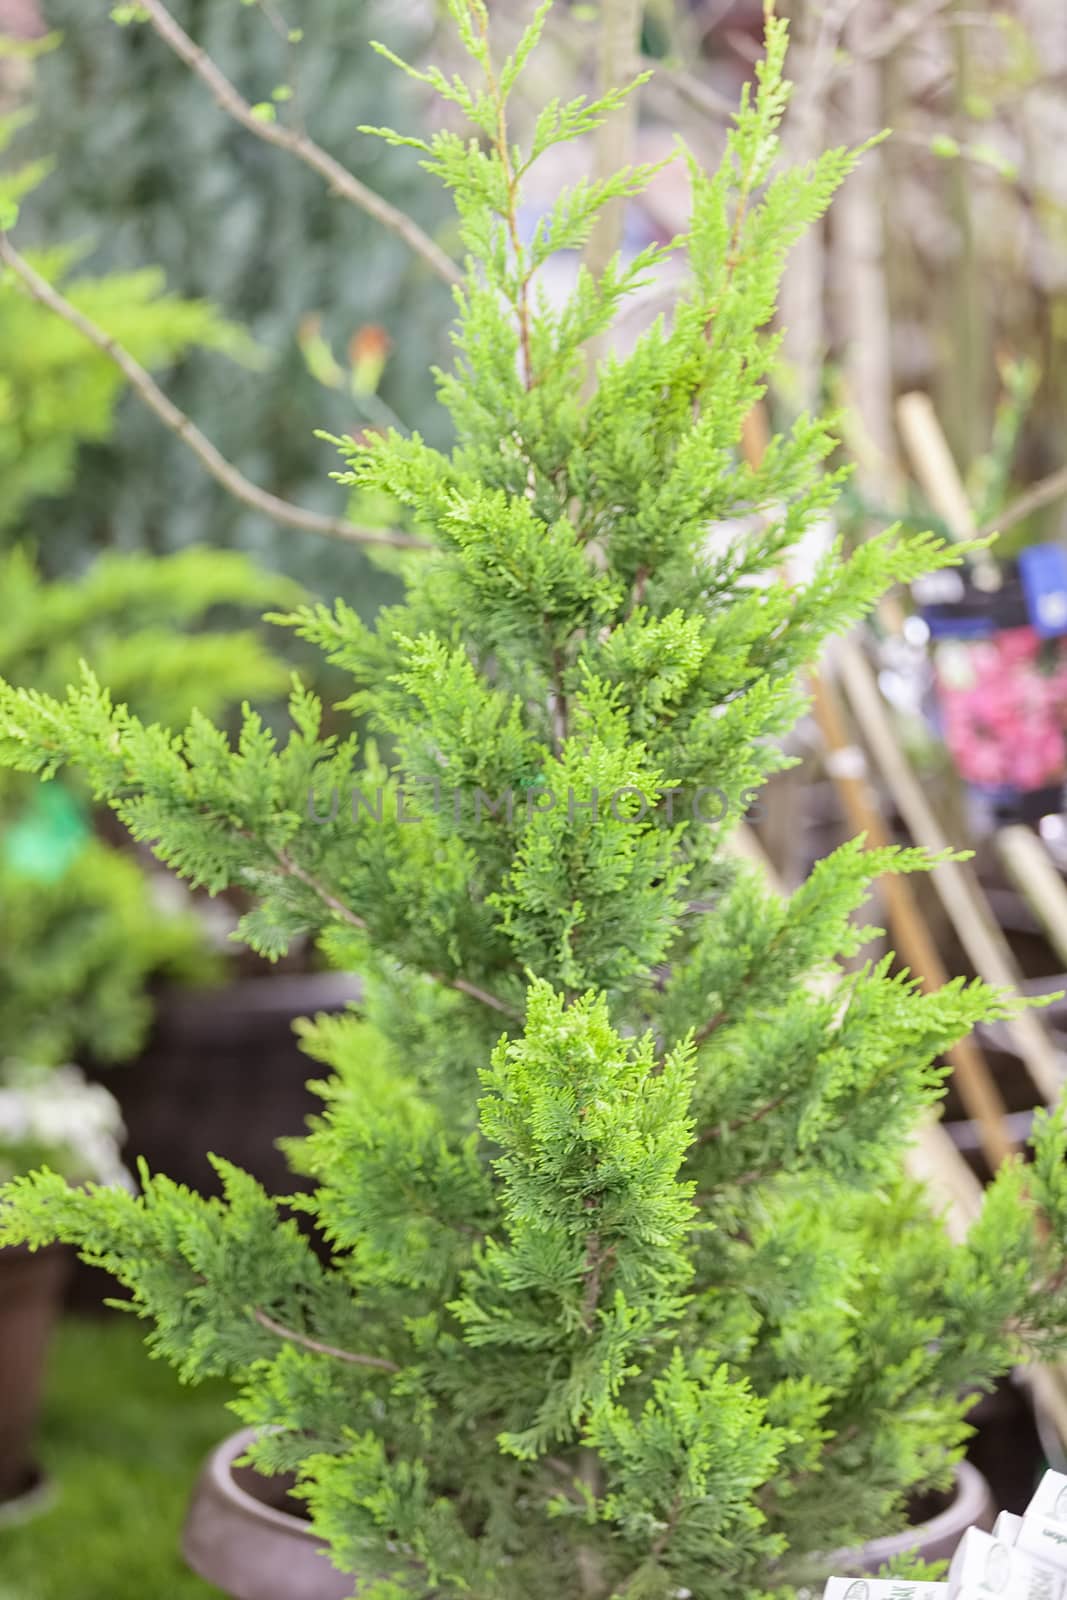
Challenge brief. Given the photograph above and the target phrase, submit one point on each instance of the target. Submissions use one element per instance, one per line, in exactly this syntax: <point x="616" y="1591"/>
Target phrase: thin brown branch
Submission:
<point x="595" y="1258"/>
<point x="905" y="25"/>
<point x="701" y="96"/>
<point x="659" y="1544"/>
<point x="293" y="869"/>
<point x="587" y="1558"/>
<point x="708" y="1028"/>
<point x="340" y="180"/>
<point x="748" y="1121"/>
<point x="482" y="995"/>
<point x="1034" y="499"/>
<point x="290" y="1335"/>
<point x="145" y="386"/>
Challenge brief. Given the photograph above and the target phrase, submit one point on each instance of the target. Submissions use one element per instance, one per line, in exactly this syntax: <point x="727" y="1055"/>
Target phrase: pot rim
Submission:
<point x="965" y="1508"/>
<point x="39" y="1495"/>
<point x="219" y="1469"/>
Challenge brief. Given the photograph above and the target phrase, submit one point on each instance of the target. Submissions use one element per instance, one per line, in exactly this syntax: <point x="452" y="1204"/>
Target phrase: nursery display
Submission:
<point x="618" y="1287"/>
<point x="81" y="931"/>
<point x="120" y="1441"/>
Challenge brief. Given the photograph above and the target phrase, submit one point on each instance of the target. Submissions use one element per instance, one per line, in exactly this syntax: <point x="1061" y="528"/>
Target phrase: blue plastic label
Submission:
<point x="1043" y="569"/>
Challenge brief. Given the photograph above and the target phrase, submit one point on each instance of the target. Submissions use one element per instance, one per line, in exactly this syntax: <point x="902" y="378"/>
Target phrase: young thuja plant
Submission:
<point x="625" y="1292"/>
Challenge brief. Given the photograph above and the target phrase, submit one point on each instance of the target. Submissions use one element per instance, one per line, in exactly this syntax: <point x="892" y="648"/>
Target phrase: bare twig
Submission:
<point x="340" y="180"/>
<point x="701" y="96"/>
<point x="903" y="26"/>
<point x="290" y="1335"/>
<point x="1034" y="499"/>
<point x="185" y="429"/>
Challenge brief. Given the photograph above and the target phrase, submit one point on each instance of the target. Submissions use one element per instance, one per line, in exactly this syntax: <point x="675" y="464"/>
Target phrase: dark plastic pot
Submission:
<point x="31" y="1291"/>
<point x="222" y="1071"/>
<point x="239" y="1536"/>
<point x="971" y="1506"/>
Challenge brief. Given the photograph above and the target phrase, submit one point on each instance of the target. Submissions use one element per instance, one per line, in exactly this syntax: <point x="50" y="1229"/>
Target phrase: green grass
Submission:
<point x="122" y="1441"/>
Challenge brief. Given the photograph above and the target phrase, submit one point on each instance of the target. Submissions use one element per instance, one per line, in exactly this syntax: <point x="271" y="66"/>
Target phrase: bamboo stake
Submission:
<point x="955" y="883"/>
<point x="940" y="479"/>
<point x="1034" y="874"/>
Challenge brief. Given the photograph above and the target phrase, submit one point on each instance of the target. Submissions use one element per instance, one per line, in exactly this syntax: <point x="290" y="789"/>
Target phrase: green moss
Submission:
<point x="122" y="1442"/>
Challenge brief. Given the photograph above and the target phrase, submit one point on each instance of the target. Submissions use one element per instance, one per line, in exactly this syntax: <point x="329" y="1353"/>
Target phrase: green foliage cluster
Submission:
<point x="57" y="391"/>
<point x="626" y="1291"/>
<point x="166" y="177"/>
<point x="81" y="934"/>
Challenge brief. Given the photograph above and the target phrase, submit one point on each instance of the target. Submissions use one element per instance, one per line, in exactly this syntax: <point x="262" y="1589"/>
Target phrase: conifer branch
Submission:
<point x="176" y="421"/>
<point x="701" y="96"/>
<point x="522" y="305"/>
<point x="298" y="144"/>
<point x="293" y="869"/>
<point x="290" y="1335"/>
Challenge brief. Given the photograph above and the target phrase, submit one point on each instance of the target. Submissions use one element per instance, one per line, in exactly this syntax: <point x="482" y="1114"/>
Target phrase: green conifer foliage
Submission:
<point x="626" y="1292"/>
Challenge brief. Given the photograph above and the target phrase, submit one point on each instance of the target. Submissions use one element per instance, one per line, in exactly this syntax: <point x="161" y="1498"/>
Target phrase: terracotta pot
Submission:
<point x="31" y="1289"/>
<point x="239" y="1537"/>
<point x="970" y="1507"/>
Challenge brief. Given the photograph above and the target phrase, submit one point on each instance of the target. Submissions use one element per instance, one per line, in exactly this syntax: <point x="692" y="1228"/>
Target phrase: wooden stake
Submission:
<point x="1035" y="875"/>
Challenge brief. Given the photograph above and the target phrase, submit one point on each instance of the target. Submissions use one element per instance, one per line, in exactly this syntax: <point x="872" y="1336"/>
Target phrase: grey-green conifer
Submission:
<point x="626" y="1293"/>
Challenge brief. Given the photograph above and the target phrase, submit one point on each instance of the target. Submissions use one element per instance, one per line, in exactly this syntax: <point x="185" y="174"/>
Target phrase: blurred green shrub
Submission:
<point x="148" y="169"/>
<point x="81" y="933"/>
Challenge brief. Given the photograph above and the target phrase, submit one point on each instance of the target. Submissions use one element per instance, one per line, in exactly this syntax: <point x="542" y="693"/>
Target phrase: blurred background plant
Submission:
<point x="163" y="175"/>
<point x="83" y="931"/>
